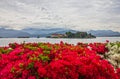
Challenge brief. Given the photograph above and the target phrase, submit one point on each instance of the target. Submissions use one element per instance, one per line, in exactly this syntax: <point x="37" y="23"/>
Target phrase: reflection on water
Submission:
<point x="6" y="41"/>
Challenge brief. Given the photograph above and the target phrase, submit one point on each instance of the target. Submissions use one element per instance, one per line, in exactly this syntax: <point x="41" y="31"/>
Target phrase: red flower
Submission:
<point x="41" y="72"/>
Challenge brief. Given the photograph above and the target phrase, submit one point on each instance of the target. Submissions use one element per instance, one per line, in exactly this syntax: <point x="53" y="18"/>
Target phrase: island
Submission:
<point x="23" y="37"/>
<point x="72" y="35"/>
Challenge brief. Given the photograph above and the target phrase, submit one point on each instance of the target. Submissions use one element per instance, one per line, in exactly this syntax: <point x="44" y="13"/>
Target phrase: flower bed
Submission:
<point x="57" y="61"/>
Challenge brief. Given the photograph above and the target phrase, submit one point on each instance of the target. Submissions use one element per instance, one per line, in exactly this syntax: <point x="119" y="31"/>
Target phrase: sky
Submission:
<point x="73" y="14"/>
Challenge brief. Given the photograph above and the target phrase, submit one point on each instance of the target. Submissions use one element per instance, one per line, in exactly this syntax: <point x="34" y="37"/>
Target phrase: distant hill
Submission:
<point x="37" y="32"/>
<point x="104" y="33"/>
<point x="10" y="33"/>
<point x="46" y="32"/>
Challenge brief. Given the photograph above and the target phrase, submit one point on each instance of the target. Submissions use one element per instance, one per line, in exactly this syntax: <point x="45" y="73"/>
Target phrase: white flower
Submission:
<point x="114" y="47"/>
<point x="113" y="57"/>
<point x="109" y="46"/>
<point x="112" y="62"/>
<point x="111" y="53"/>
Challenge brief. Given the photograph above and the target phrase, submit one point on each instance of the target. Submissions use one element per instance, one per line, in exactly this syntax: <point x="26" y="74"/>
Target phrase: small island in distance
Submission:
<point x="72" y="35"/>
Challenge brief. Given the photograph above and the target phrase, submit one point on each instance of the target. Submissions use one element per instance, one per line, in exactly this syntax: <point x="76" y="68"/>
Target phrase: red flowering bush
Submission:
<point x="55" y="61"/>
<point x="99" y="47"/>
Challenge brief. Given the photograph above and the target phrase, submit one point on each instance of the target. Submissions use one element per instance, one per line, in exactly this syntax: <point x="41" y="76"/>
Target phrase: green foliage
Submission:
<point x="46" y="52"/>
<point x="30" y="65"/>
<point x="21" y="65"/>
<point x="31" y="47"/>
<point x="70" y="34"/>
<point x="5" y="51"/>
<point x="79" y="35"/>
<point x="44" y="58"/>
<point x="45" y="47"/>
<point x="13" y="69"/>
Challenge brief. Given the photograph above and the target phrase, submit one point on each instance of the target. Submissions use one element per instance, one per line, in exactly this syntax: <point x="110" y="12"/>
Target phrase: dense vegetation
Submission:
<point x="72" y="35"/>
<point x="79" y="35"/>
<point x="60" y="61"/>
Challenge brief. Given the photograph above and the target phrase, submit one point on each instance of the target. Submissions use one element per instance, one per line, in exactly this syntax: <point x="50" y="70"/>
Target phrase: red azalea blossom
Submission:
<point x="55" y="61"/>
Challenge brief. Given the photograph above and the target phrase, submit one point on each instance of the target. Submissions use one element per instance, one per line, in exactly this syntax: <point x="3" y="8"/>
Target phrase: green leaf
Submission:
<point x="30" y="65"/>
<point x="44" y="58"/>
<point x="12" y="69"/>
<point x="46" y="52"/>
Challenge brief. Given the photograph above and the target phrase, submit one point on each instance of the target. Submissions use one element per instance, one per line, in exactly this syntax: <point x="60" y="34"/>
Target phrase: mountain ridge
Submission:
<point x="10" y="33"/>
<point x="34" y="32"/>
<point x="104" y="33"/>
<point x="48" y="31"/>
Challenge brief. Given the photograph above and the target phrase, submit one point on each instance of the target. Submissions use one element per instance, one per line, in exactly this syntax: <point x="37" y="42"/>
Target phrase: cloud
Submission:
<point x="74" y="14"/>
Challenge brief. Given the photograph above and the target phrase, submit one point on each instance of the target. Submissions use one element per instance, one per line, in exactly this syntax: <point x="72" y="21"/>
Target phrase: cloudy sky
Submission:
<point x="74" y="14"/>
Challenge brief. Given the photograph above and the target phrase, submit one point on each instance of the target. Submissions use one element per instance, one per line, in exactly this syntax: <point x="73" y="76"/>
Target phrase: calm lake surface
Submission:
<point x="6" y="41"/>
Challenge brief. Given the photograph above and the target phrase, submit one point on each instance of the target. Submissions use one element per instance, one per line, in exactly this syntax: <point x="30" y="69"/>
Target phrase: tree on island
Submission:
<point x="72" y="35"/>
<point x="79" y="35"/>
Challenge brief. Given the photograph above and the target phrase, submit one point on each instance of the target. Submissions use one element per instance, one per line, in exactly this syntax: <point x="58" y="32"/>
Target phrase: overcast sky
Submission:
<point x="74" y="14"/>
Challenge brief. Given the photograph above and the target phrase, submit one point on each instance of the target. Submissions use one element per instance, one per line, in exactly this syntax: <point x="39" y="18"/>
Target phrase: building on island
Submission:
<point x="55" y="35"/>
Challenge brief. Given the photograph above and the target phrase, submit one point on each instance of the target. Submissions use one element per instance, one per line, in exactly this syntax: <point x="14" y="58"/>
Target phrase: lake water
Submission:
<point x="6" y="41"/>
